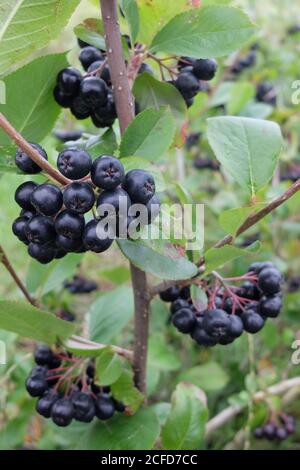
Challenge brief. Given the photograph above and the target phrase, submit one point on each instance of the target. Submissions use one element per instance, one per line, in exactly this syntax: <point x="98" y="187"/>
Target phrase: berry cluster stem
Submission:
<point x="29" y="150"/>
<point x="125" y="110"/>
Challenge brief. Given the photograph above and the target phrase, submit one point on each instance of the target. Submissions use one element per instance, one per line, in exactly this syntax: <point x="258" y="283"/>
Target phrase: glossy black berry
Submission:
<point x="104" y="407"/>
<point x="40" y="229"/>
<point x="95" y="238"/>
<point x="45" y="403"/>
<point x="36" y="385"/>
<point x="82" y="43"/>
<point x="171" y="294"/>
<point x="119" y="406"/>
<point x="69" y="244"/>
<point x="43" y="355"/>
<point x="79" y="108"/>
<point x="281" y="434"/>
<point x="23" y="195"/>
<point x="18" y="228"/>
<point x="184" y="320"/>
<point x="145" y="68"/>
<point x="107" y="172"/>
<point x="24" y="162"/>
<point x="187" y="84"/>
<point x="236" y="326"/>
<point x="74" y="163"/>
<point x="27" y="213"/>
<point x="259" y="433"/>
<point x="185" y="62"/>
<point x="266" y="93"/>
<point x="84" y="407"/>
<point x="65" y="101"/>
<point x="258" y="266"/>
<point x="93" y="91"/>
<point x="88" y="55"/>
<point x="113" y="201"/>
<point x="69" y="80"/>
<point x="47" y="199"/>
<point x="67" y="136"/>
<point x="216" y="323"/>
<point x="252" y="321"/>
<point x="69" y="224"/>
<point x="79" y="197"/>
<point x="270" y="431"/>
<point x="203" y="338"/>
<point x="178" y="305"/>
<point x="42" y="253"/>
<point x="250" y="291"/>
<point x="62" y="412"/>
<point x="140" y="186"/>
<point x="205" y="69"/>
<point x="269" y="281"/>
<point x="270" y="306"/>
<point x="105" y="73"/>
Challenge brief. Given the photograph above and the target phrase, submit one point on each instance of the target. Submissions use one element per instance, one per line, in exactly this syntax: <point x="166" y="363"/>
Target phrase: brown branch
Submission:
<point x="31" y="152"/>
<point x="226" y="415"/>
<point x="125" y="110"/>
<point x="251" y="220"/>
<point x="8" y="266"/>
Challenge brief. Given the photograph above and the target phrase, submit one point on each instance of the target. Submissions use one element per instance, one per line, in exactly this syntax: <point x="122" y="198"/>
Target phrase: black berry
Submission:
<point x="42" y="253"/>
<point x="93" y="91"/>
<point x="47" y="199"/>
<point x="45" y="403"/>
<point x="171" y="294"/>
<point x="40" y="229"/>
<point x="65" y="101"/>
<point x="104" y="407"/>
<point x="184" y="320"/>
<point x="24" y="162"/>
<point x="79" y="108"/>
<point x="69" y="224"/>
<point x="95" y="239"/>
<point x="252" y="321"/>
<point x="62" y="412"/>
<point x="79" y="197"/>
<point x="112" y="201"/>
<point x="18" y="228"/>
<point x="88" y="55"/>
<point x="205" y="69"/>
<point x="23" y="195"/>
<point x="74" y="163"/>
<point x="107" y="172"/>
<point x="216" y="323"/>
<point x="269" y="281"/>
<point x="270" y="306"/>
<point x="178" y="305"/>
<point x="140" y="186"/>
<point x="84" y="407"/>
<point x="36" y="385"/>
<point x="187" y="84"/>
<point x="69" y="80"/>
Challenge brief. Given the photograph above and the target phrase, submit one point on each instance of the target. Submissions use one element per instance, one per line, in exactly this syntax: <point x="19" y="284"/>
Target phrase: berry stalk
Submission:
<point x="29" y="150"/>
<point x="125" y="110"/>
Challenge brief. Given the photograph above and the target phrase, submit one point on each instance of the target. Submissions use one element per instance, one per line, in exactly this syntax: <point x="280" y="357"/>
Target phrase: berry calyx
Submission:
<point x="74" y="163"/>
<point x="69" y="224"/>
<point x="107" y="172"/>
<point x="79" y="197"/>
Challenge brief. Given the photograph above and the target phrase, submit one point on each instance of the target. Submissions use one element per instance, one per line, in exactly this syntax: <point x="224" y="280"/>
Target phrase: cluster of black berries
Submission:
<point x="231" y="309"/>
<point x="245" y="62"/>
<point x="52" y="221"/>
<point x="80" y="285"/>
<point x="276" y="431"/>
<point x="66" y="390"/>
<point x="192" y="72"/>
<point x="88" y="95"/>
<point x="266" y="93"/>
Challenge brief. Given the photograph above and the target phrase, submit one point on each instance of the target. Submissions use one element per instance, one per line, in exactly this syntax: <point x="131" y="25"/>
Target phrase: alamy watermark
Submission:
<point x="296" y="93"/>
<point x="296" y="354"/>
<point x="2" y="92"/>
<point x="176" y="222"/>
<point x="2" y="353"/>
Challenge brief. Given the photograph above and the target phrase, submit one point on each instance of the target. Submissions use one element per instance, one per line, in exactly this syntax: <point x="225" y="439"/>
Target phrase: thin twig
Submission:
<point x="8" y="266"/>
<point x="31" y="152"/>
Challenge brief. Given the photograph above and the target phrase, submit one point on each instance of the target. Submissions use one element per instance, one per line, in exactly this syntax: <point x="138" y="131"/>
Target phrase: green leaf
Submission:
<point x="83" y="347"/>
<point x="211" y="31"/>
<point x="91" y="31"/>
<point x="27" y="26"/>
<point x="240" y="94"/>
<point x="7" y="160"/>
<point x="125" y="391"/>
<point x="131" y="12"/>
<point x="232" y="219"/>
<point x="138" y="432"/>
<point x="46" y="278"/>
<point x="110" y="313"/>
<point x="161" y="265"/>
<point x="149" y="135"/>
<point x="217" y="257"/>
<point x="247" y="148"/>
<point x="257" y="110"/>
<point x="108" y="367"/>
<point x="222" y="94"/>
<point x="183" y="194"/>
<point x="152" y="93"/>
<point x="136" y="163"/>
<point x="161" y="355"/>
<point x="97" y="145"/>
<point x="155" y="14"/>
<point x="210" y="376"/>
<point x="31" y="322"/>
<point x="31" y="108"/>
<point x="199" y="297"/>
<point x="185" y="426"/>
